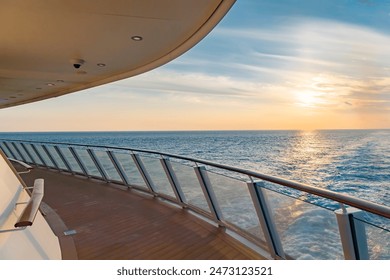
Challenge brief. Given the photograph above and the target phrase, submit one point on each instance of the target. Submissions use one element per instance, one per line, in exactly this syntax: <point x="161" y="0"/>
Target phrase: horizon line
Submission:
<point x="192" y="130"/>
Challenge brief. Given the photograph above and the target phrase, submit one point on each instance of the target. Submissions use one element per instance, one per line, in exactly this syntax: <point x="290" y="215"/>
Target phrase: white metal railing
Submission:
<point x="254" y="207"/>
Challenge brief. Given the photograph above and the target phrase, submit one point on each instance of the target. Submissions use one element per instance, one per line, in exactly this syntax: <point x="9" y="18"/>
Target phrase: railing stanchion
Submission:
<point x="209" y="194"/>
<point x="118" y="168"/>
<point x="144" y="173"/>
<point x="63" y="158"/>
<point x="173" y="181"/>
<point x="352" y="234"/>
<point x="9" y="150"/>
<point x="39" y="155"/>
<point x="28" y="152"/>
<point x="50" y="157"/>
<point x="79" y="162"/>
<point x="265" y="217"/>
<point x="98" y="165"/>
<point x="18" y="151"/>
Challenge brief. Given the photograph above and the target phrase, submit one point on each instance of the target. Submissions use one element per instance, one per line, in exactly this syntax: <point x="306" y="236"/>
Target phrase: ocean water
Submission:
<point x="355" y="162"/>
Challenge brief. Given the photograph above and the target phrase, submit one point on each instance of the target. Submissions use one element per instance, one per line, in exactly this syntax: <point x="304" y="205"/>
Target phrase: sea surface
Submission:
<point x="355" y="162"/>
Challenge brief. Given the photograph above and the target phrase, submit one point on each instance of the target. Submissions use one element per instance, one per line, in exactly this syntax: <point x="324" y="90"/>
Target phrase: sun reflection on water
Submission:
<point x="307" y="154"/>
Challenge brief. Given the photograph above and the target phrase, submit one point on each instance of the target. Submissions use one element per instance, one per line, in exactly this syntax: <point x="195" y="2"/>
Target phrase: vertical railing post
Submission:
<point x="118" y="168"/>
<point x="209" y="194"/>
<point x="98" y="164"/>
<point x="266" y="220"/>
<point x="79" y="162"/>
<point x="18" y="151"/>
<point x="352" y="234"/>
<point x="28" y="153"/>
<point x="10" y="150"/>
<point x="63" y="158"/>
<point x="50" y="157"/>
<point x="144" y="173"/>
<point x="173" y="181"/>
<point x="39" y="155"/>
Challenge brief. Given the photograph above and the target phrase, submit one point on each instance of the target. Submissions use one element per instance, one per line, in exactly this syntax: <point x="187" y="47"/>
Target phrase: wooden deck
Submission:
<point x="112" y="222"/>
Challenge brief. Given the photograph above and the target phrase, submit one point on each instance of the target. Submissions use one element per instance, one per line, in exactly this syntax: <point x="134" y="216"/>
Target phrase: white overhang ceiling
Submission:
<point x="41" y="40"/>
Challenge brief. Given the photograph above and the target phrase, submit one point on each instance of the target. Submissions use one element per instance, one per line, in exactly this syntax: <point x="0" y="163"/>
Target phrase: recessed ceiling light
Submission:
<point x="50" y="84"/>
<point x="101" y="64"/>
<point x="137" y="38"/>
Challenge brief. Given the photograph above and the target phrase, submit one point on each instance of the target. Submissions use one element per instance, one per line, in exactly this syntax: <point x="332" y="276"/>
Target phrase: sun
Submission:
<point x="309" y="99"/>
<point x="314" y="92"/>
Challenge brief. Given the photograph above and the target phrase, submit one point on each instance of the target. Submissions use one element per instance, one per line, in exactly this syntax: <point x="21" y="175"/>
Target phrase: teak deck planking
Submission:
<point x="113" y="222"/>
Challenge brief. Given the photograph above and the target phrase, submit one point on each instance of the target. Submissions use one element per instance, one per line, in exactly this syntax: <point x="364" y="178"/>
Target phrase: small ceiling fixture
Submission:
<point x="136" y="38"/>
<point x="50" y="84"/>
<point x="101" y="65"/>
<point x="77" y="62"/>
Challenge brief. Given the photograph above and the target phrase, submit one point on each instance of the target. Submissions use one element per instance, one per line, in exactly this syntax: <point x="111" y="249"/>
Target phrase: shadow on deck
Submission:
<point x="113" y="222"/>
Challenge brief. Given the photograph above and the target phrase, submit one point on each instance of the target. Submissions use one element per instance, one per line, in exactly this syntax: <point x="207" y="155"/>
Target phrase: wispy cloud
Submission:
<point x="296" y="59"/>
<point x="329" y="63"/>
<point x="190" y="88"/>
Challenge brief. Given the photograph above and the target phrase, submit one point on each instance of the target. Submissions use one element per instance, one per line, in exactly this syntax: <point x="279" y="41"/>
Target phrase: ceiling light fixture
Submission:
<point x="136" y="38"/>
<point x="101" y="65"/>
<point x="50" y="84"/>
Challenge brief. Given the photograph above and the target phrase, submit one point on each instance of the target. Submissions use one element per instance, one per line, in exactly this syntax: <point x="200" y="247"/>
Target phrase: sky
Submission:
<point x="286" y="64"/>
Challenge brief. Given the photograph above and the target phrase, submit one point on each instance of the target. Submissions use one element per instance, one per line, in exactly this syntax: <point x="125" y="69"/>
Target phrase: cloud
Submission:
<point x="296" y="59"/>
<point x="173" y="83"/>
<point x="326" y="61"/>
<point x="315" y="41"/>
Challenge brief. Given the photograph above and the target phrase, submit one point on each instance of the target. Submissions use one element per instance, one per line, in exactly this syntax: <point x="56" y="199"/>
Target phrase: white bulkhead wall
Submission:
<point x="35" y="242"/>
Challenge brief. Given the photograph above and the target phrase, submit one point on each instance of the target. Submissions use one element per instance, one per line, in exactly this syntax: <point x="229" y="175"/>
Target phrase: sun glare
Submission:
<point x="309" y="99"/>
<point x="313" y="93"/>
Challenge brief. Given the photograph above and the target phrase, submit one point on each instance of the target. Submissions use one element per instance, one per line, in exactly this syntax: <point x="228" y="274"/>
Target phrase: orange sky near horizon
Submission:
<point x="85" y="112"/>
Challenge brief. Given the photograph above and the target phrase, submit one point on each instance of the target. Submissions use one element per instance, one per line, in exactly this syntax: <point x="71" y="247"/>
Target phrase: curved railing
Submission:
<point x="287" y="219"/>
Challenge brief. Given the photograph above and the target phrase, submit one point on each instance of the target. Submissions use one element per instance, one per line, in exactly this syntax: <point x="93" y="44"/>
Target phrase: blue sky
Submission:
<point x="268" y="65"/>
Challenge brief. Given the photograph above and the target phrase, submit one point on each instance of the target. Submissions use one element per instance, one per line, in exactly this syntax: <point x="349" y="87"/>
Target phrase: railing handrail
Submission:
<point x="362" y="204"/>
